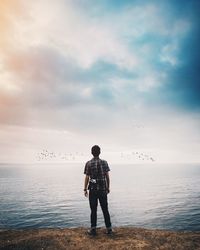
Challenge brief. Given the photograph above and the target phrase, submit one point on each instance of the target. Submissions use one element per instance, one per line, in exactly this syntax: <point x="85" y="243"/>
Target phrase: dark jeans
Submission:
<point x="94" y="196"/>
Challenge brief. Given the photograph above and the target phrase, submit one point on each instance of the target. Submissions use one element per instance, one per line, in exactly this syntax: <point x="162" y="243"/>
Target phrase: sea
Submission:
<point x="157" y="196"/>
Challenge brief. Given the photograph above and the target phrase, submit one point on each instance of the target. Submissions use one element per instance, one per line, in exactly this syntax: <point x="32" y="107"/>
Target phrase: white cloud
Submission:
<point x="168" y="54"/>
<point x="77" y="36"/>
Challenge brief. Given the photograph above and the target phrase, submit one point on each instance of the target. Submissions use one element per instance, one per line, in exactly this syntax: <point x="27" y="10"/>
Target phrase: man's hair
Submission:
<point x="95" y="150"/>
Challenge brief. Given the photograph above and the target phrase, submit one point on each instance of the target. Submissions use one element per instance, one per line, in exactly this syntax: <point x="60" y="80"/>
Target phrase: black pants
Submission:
<point x="94" y="196"/>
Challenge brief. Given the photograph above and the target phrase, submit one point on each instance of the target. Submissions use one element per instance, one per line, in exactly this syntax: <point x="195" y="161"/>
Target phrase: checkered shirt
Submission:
<point x="96" y="169"/>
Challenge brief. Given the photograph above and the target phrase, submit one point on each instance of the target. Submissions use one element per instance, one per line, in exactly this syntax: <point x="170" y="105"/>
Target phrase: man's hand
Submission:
<point x="108" y="182"/>
<point x="86" y="193"/>
<point x="86" y="185"/>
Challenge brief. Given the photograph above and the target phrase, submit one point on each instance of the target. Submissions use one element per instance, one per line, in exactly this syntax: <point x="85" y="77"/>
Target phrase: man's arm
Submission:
<point x="86" y="185"/>
<point x="108" y="182"/>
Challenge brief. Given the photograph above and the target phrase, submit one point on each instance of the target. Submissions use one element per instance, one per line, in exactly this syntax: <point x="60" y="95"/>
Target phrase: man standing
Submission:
<point x="97" y="176"/>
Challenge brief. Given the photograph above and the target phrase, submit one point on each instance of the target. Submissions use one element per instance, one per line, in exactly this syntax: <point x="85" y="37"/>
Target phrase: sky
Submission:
<point x="123" y="74"/>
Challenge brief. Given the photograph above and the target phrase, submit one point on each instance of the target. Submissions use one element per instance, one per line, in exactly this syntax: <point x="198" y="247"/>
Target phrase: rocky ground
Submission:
<point x="76" y="238"/>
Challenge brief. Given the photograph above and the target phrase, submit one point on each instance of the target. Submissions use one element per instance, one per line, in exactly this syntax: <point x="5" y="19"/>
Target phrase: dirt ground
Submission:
<point x="76" y="238"/>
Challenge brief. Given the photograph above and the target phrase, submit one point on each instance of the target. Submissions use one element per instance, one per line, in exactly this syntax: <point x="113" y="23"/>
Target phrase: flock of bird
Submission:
<point x="137" y="155"/>
<point x="138" y="126"/>
<point x="46" y="155"/>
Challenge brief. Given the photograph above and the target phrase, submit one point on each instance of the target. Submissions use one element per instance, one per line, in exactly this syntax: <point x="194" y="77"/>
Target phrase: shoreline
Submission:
<point x="76" y="238"/>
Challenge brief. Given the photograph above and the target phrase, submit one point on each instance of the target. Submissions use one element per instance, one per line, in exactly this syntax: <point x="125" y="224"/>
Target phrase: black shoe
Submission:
<point x="92" y="232"/>
<point x="109" y="231"/>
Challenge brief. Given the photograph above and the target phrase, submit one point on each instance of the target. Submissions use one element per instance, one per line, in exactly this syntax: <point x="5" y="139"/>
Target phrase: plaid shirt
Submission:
<point x="96" y="169"/>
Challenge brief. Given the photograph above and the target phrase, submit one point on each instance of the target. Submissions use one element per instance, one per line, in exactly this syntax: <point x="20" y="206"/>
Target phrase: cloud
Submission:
<point x="85" y="40"/>
<point x="183" y="88"/>
<point x="9" y="10"/>
<point x="73" y="34"/>
<point x="94" y="67"/>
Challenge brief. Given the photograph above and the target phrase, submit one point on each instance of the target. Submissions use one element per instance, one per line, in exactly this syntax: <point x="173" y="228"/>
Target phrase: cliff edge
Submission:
<point x="76" y="238"/>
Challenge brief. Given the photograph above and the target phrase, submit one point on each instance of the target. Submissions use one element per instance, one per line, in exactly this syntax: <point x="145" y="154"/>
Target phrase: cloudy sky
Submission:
<point x="118" y="73"/>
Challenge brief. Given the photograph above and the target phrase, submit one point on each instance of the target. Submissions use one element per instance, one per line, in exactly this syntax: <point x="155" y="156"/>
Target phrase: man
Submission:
<point x="97" y="176"/>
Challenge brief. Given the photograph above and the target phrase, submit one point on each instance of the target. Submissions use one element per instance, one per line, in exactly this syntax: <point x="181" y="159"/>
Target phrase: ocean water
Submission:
<point x="51" y="195"/>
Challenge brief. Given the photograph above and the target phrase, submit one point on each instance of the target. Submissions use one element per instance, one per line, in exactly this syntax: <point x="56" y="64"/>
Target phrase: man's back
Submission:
<point x="97" y="168"/>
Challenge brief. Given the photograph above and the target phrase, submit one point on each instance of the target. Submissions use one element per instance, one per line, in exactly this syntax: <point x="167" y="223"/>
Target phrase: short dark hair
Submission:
<point x="95" y="150"/>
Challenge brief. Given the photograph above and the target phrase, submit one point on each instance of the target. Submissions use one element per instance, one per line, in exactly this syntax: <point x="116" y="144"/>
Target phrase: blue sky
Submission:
<point x="99" y="71"/>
